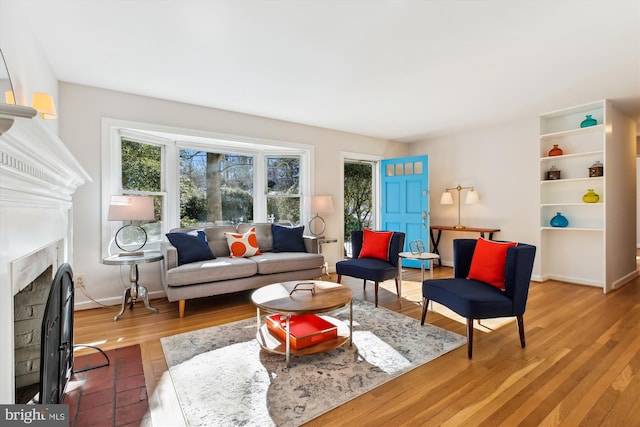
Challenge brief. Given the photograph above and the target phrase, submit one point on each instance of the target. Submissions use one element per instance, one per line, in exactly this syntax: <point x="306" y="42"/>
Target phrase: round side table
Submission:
<point x="422" y="257"/>
<point x="136" y="290"/>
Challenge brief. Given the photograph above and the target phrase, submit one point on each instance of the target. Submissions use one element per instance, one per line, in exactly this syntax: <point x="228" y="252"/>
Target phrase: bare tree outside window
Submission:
<point x="215" y="188"/>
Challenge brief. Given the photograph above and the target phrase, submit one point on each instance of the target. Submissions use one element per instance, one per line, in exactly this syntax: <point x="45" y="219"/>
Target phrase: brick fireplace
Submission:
<point x="38" y="176"/>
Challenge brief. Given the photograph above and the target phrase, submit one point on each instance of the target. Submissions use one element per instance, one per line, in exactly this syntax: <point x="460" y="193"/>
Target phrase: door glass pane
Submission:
<point x="417" y="168"/>
<point x="408" y="168"/>
<point x="389" y="170"/>
<point x="399" y="169"/>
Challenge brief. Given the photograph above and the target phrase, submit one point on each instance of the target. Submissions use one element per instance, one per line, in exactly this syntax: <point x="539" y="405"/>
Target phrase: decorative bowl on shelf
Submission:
<point x="588" y="121"/>
<point x="555" y="151"/>
<point x="559" y="220"/>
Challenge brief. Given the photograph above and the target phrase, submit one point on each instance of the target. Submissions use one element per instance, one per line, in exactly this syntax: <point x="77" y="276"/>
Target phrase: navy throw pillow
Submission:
<point x="287" y="239"/>
<point x="192" y="246"/>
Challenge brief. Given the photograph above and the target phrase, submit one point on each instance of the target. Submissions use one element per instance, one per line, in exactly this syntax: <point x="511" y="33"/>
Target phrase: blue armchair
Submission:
<point x="373" y="269"/>
<point x="474" y="299"/>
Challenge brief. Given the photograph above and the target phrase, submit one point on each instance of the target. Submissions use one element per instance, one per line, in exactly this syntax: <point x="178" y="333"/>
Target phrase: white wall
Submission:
<point x="81" y="111"/>
<point x="638" y="202"/>
<point x="502" y="163"/>
<point x="29" y="70"/>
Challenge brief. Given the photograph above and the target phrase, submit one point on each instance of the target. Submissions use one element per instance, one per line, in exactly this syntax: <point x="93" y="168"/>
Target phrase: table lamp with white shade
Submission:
<point x="131" y="238"/>
<point x="319" y="205"/>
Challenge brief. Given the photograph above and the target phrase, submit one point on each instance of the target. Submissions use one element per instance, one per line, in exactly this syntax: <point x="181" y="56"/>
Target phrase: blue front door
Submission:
<point x="405" y="199"/>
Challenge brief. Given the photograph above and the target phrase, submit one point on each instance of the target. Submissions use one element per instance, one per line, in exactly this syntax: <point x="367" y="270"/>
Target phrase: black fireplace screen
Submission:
<point x="56" y="349"/>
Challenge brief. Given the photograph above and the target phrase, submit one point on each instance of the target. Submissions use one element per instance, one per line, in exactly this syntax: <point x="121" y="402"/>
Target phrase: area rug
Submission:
<point x="222" y="377"/>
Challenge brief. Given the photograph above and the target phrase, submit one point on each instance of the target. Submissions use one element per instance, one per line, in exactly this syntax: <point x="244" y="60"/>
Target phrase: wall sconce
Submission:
<point x="131" y="238"/>
<point x="319" y="205"/>
<point x="471" y="199"/>
<point x="43" y="103"/>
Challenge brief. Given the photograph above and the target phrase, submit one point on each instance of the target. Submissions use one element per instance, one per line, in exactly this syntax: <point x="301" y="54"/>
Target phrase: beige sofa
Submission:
<point x="226" y="274"/>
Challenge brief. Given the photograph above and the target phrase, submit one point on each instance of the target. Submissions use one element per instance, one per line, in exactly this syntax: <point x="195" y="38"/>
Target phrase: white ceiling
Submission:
<point x="401" y="70"/>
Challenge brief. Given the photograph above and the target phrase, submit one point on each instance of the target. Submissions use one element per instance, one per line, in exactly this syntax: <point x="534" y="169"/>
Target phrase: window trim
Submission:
<point x="173" y="139"/>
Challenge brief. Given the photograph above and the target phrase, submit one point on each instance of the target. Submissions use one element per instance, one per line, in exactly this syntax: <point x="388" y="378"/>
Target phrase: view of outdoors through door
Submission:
<point x="359" y="212"/>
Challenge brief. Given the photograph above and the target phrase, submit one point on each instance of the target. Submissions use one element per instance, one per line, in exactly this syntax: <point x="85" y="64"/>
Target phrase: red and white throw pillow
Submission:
<point x="243" y="245"/>
<point x="488" y="262"/>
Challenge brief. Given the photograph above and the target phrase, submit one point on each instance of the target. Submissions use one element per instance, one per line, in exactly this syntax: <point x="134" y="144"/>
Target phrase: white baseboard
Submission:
<point x="111" y="301"/>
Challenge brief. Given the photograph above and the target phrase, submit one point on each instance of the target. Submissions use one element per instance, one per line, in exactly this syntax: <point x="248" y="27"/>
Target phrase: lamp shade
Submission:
<point x="472" y="197"/>
<point x="43" y="103"/>
<point x="321" y="204"/>
<point x="446" y="198"/>
<point x="131" y="208"/>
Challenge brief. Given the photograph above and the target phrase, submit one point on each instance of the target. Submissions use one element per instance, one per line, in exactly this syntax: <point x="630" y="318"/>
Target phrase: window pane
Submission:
<point x="215" y="187"/>
<point x="141" y="166"/>
<point x="283" y="209"/>
<point x="283" y="175"/>
<point x="154" y="227"/>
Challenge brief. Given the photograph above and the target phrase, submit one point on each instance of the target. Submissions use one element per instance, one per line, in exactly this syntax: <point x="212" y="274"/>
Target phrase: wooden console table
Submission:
<point x="436" y="241"/>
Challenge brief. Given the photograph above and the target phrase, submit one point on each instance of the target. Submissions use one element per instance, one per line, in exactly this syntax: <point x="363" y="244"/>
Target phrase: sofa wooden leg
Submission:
<point x="469" y="338"/>
<point x="339" y="278"/>
<point x="425" y="304"/>
<point x="364" y="285"/>
<point x="397" y="288"/>
<point x="181" y="305"/>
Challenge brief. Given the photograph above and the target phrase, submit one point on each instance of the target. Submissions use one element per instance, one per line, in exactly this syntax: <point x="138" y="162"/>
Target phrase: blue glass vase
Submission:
<point x="589" y="121"/>
<point x="559" y="220"/>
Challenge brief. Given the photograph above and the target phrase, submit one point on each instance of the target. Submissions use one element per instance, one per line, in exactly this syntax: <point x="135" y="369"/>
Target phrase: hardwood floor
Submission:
<point x="581" y="365"/>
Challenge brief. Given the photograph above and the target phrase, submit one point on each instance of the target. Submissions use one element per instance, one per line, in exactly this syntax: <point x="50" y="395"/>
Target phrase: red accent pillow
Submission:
<point x="375" y="244"/>
<point x="488" y="262"/>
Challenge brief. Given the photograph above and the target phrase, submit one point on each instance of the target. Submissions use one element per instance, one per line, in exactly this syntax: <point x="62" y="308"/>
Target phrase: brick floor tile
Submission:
<point x="131" y="396"/>
<point x="99" y="398"/>
<point x="96" y="416"/>
<point x="131" y="413"/>
<point x="129" y="383"/>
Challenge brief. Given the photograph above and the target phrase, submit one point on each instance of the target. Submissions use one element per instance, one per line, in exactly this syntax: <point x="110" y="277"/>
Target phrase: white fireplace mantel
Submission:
<point x="36" y="168"/>
<point x="38" y="176"/>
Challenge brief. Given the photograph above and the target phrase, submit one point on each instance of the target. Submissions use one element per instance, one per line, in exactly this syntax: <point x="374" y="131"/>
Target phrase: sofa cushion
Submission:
<point x="243" y="245"/>
<point x="281" y="262"/>
<point x="191" y="246"/>
<point x="263" y="234"/>
<point x="288" y="239"/>
<point x="217" y="240"/>
<point x="211" y="271"/>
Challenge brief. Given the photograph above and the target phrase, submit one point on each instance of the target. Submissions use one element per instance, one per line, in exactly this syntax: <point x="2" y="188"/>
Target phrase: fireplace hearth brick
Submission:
<point x="29" y="305"/>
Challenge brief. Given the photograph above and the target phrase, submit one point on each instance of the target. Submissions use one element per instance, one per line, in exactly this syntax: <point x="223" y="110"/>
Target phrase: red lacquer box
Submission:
<point x="306" y="329"/>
